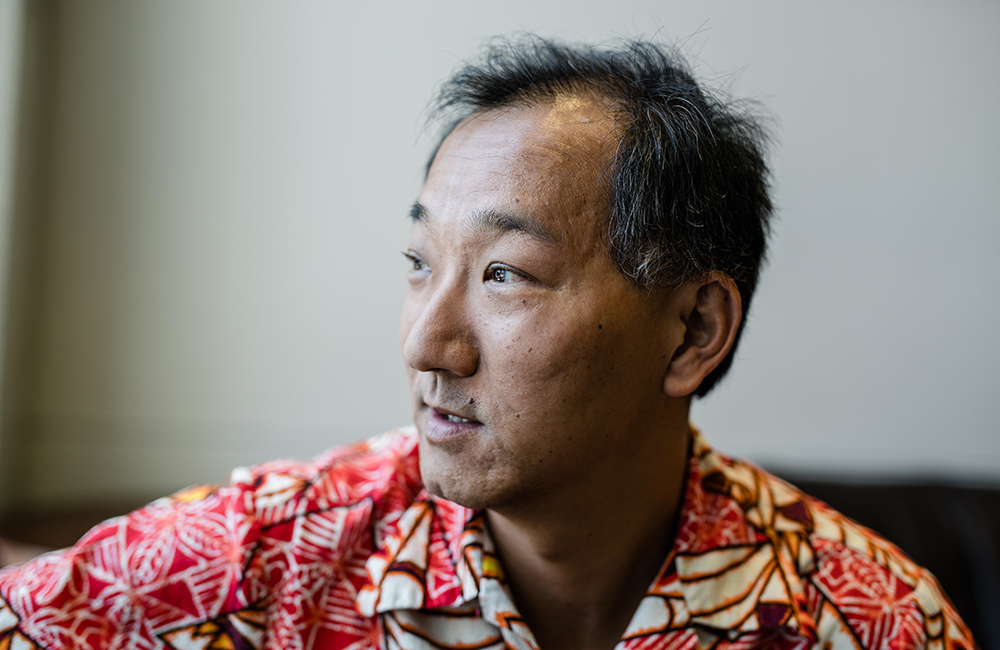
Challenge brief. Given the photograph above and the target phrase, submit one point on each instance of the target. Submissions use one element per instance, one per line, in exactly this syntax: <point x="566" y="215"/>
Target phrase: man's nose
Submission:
<point x="440" y="337"/>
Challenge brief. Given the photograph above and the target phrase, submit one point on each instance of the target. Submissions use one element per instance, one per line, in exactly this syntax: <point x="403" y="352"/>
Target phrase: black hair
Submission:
<point x="688" y="181"/>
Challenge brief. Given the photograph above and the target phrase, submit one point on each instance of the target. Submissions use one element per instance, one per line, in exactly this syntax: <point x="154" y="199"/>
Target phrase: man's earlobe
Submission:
<point x="711" y="316"/>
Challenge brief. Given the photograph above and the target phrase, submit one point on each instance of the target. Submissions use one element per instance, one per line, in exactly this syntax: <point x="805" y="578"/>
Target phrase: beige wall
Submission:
<point x="10" y="59"/>
<point x="224" y="198"/>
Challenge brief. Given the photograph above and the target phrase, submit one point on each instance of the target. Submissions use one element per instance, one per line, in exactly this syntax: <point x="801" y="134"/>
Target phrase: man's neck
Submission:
<point x="579" y="568"/>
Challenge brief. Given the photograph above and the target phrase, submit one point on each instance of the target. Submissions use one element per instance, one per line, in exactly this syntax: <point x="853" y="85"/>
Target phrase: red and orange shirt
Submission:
<point x="349" y="551"/>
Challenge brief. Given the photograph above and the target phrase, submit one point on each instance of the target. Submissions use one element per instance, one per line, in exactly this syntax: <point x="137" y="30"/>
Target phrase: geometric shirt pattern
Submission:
<point x="348" y="551"/>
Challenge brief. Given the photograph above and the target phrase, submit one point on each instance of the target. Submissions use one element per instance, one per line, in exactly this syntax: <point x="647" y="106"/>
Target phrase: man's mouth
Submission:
<point x="452" y="417"/>
<point x="463" y="414"/>
<point x="444" y="426"/>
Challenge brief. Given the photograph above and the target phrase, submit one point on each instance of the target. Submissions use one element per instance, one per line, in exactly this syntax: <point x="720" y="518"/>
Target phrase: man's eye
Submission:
<point x="417" y="263"/>
<point x="502" y="275"/>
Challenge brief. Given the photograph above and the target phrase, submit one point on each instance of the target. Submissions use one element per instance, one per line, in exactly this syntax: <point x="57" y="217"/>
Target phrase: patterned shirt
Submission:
<point x="349" y="551"/>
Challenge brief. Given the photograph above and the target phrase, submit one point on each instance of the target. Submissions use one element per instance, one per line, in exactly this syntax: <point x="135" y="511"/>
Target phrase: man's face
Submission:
<point x="532" y="361"/>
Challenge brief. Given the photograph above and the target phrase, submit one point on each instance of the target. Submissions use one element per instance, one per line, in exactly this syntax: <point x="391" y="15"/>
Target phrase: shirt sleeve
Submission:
<point x="132" y="579"/>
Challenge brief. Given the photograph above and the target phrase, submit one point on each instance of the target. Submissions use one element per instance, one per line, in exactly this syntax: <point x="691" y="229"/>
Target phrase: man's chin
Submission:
<point x="456" y="493"/>
<point x="443" y="479"/>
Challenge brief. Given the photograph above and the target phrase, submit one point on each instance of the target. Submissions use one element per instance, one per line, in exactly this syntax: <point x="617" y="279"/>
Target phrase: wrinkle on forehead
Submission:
<point x="548" y="158"/>
<point x="576" y="127"/>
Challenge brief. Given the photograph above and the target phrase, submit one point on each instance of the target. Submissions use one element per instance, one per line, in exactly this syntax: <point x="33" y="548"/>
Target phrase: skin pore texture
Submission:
<point x="547" y="388"/>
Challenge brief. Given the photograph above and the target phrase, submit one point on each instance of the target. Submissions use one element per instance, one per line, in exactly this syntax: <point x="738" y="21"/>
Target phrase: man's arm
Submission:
<point x="178" y="559"/>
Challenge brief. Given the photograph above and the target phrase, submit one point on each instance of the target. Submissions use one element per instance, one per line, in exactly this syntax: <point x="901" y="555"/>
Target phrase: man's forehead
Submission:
<point x="568" y="128"/>
<point x="503" y="170"/>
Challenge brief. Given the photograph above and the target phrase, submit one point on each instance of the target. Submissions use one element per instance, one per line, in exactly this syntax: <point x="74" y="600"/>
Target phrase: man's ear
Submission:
<point x="711" y="310"/>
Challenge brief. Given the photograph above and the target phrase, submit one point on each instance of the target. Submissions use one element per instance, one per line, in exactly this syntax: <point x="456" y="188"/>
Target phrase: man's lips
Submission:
<point x="459" y="412"/>
<point x="446" y="426"/>
<point x="456" y="416"/>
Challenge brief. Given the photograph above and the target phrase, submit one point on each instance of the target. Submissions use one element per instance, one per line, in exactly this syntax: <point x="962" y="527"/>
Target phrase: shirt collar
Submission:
<point x="736" y="567"/>
<point x="742" y="547"/>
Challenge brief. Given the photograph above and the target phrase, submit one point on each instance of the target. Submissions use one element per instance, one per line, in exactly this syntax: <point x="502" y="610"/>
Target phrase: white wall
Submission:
<point x="228" y="194"/>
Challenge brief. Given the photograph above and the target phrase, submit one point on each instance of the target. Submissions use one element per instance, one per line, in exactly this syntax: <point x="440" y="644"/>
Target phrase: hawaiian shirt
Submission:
<point x="349" y="551"/>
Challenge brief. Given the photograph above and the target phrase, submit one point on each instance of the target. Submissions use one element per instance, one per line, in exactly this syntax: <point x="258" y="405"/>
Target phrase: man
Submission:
<point x="583" y="253"/>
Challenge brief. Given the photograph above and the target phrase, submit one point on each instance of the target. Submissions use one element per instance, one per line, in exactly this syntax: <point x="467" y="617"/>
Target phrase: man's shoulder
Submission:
<point x="296" y="533"/>
<point x="851" y="584"/>
<point x="383" y="471"/>
<point x="379" y="475"/>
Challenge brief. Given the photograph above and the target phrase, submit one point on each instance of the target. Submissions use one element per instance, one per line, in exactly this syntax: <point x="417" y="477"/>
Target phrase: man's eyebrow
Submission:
<point x="491" y="222"/>
<point x="418" y="212"/>
<point x="495" y="222"/>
